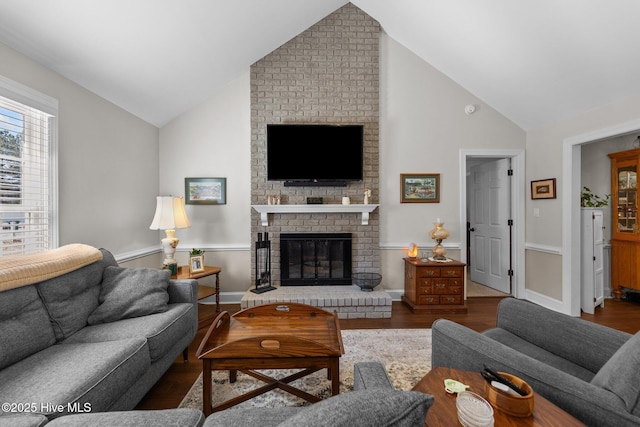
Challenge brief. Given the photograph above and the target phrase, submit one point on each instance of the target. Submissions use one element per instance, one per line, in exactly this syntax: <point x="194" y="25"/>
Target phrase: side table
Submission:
<point x="434" y="287"/>
<point x="444" y="412"/>
<point x="203" y="291"/>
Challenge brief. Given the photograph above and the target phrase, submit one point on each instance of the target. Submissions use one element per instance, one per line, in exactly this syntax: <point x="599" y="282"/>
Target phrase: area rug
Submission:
<point x="406" y="353"/>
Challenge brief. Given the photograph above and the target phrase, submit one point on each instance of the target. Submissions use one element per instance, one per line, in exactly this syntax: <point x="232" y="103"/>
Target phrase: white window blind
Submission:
<point x="25" y="178"/>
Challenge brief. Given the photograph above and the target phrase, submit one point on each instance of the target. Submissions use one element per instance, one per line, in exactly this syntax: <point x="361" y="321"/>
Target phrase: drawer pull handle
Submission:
<point x="441" y="285"/>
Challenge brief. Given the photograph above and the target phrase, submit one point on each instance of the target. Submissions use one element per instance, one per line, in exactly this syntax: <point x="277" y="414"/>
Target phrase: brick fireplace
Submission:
<point x="327" y="74"/>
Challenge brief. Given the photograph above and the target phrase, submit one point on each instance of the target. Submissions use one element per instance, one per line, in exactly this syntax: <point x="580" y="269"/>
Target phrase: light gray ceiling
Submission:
<point x="535" y="61"/>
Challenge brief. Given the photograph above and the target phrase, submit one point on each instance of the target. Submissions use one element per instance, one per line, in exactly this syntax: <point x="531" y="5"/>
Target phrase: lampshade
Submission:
<point x="170" y="214"/>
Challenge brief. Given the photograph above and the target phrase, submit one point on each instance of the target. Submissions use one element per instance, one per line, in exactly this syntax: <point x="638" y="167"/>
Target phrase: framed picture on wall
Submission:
<point x="205" y="191"/>
<point x="543" y="189"/>
<point x="420" y="188"/>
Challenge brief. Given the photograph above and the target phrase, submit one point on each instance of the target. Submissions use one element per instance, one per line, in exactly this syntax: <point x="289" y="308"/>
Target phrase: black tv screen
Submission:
<point x="314" y="153"/>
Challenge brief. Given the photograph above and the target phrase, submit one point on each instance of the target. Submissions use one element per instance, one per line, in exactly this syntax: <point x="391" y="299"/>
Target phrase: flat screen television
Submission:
<point x="315" y="154"/>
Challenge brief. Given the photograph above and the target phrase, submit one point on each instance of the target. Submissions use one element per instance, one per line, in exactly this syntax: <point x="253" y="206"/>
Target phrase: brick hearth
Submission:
<point x="348" y="301"/>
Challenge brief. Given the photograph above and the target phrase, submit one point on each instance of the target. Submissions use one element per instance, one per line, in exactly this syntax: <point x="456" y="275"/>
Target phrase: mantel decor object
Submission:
<point x="439" y="233"/>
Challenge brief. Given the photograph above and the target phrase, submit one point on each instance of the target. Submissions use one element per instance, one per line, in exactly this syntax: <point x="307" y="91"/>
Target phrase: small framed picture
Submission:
<point x="420" y="188"/>
<point x="205" y="191"/>
<point x="543" y="189"/>
<point x="196" y="264"/>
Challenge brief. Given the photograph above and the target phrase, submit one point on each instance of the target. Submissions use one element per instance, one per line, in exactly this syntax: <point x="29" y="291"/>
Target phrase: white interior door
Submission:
<point x="489" y="230"/>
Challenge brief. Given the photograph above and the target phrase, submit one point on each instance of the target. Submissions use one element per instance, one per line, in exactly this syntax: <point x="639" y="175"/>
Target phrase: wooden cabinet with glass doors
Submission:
<point x="625" y="239"/>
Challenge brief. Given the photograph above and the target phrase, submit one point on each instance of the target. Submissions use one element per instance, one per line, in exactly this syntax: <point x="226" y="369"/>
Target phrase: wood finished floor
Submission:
<point x="176" y="382"/>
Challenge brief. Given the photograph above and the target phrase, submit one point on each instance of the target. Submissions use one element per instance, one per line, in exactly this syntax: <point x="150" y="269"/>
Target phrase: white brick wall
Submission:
<point x="327" y="74"/>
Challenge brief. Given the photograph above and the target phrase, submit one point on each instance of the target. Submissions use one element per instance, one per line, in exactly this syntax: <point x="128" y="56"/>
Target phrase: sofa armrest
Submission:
<point x="370" y="375"/>
<point x="23" y="420"/>
<point x="456" y="346"/>
<point x="183" y="291"/>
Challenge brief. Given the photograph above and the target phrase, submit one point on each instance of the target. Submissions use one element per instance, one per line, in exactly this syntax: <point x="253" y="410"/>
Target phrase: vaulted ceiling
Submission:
<point x="535" y="61"/>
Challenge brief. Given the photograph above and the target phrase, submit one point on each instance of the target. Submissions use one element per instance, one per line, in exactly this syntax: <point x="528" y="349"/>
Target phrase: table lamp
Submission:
<point x="439" y="234"/>
<point x="170" y="214"/>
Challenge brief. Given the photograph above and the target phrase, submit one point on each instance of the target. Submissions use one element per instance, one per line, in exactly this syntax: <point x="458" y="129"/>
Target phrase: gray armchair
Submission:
<point x="589" y="370"/>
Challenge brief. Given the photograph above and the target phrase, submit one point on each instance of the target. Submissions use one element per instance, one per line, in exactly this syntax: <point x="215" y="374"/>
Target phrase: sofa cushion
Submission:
<point x="165" y="418"/>
<point x="525" y="347"/>
<point x="131" y="292"/>
<point x="70" y="298"/>
<point x="372" y="407"/>
<point x="24" y="325"/>
<point x="94" y="373"/>
<point x="162" y="330"/>
<point x="621" y="374"/>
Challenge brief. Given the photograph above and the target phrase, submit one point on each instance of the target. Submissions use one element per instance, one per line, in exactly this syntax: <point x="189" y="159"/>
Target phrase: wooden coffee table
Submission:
<point x="271" y="336"/>
<point x="444" y="412"/>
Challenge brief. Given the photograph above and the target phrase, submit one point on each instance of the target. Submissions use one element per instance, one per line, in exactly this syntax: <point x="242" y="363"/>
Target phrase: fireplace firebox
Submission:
<point x="315" y="259"/>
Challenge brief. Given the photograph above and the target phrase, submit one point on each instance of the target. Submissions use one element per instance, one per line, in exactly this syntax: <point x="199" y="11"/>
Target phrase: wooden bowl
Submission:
<point x="515" y="405"/>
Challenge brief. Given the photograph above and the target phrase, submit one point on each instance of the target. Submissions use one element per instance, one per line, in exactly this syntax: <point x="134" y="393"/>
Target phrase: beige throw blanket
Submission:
<point x="22" y="270"/>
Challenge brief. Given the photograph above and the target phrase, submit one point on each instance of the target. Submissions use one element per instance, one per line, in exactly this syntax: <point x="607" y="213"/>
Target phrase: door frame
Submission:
<point x="518" y="191"/>
<point x="571" y="188"/>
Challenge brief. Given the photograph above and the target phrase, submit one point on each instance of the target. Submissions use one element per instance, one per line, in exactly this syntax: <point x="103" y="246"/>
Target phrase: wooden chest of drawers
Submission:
<point x="435" y="287"/>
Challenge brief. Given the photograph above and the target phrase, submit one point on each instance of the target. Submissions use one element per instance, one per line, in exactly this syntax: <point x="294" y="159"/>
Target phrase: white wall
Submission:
<point x="213" y="140"/>
<point x="107" y="162"/>
<point x="423" y="127"/>
<point x="545" y="160"/>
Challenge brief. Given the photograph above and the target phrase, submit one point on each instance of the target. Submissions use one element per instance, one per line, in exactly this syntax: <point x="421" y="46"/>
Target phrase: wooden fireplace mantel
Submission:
<point x="265" y="210"/>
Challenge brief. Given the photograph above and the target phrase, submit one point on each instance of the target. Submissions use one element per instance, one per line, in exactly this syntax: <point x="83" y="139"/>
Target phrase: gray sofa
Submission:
<point x="373" y="402"/>
<point x="91" y="340"/>
<point x="589" y="370"/>
<point x="160" y="418"/>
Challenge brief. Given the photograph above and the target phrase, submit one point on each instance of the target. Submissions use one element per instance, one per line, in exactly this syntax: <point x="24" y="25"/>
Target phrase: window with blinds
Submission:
<point x="25" y="187"/>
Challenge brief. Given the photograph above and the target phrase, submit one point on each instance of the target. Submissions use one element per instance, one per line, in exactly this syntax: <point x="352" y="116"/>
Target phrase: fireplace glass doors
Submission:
<point x="315" y="259"/>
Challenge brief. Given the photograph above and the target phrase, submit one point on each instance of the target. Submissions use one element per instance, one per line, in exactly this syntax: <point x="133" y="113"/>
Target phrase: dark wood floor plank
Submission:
<point x="176" y="382"/>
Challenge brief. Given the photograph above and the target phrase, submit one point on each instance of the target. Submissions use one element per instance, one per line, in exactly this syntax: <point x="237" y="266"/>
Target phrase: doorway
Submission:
<point x="571" y="188"/>
<point x="489" y="245"/>
<point x="495" y="255"/>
